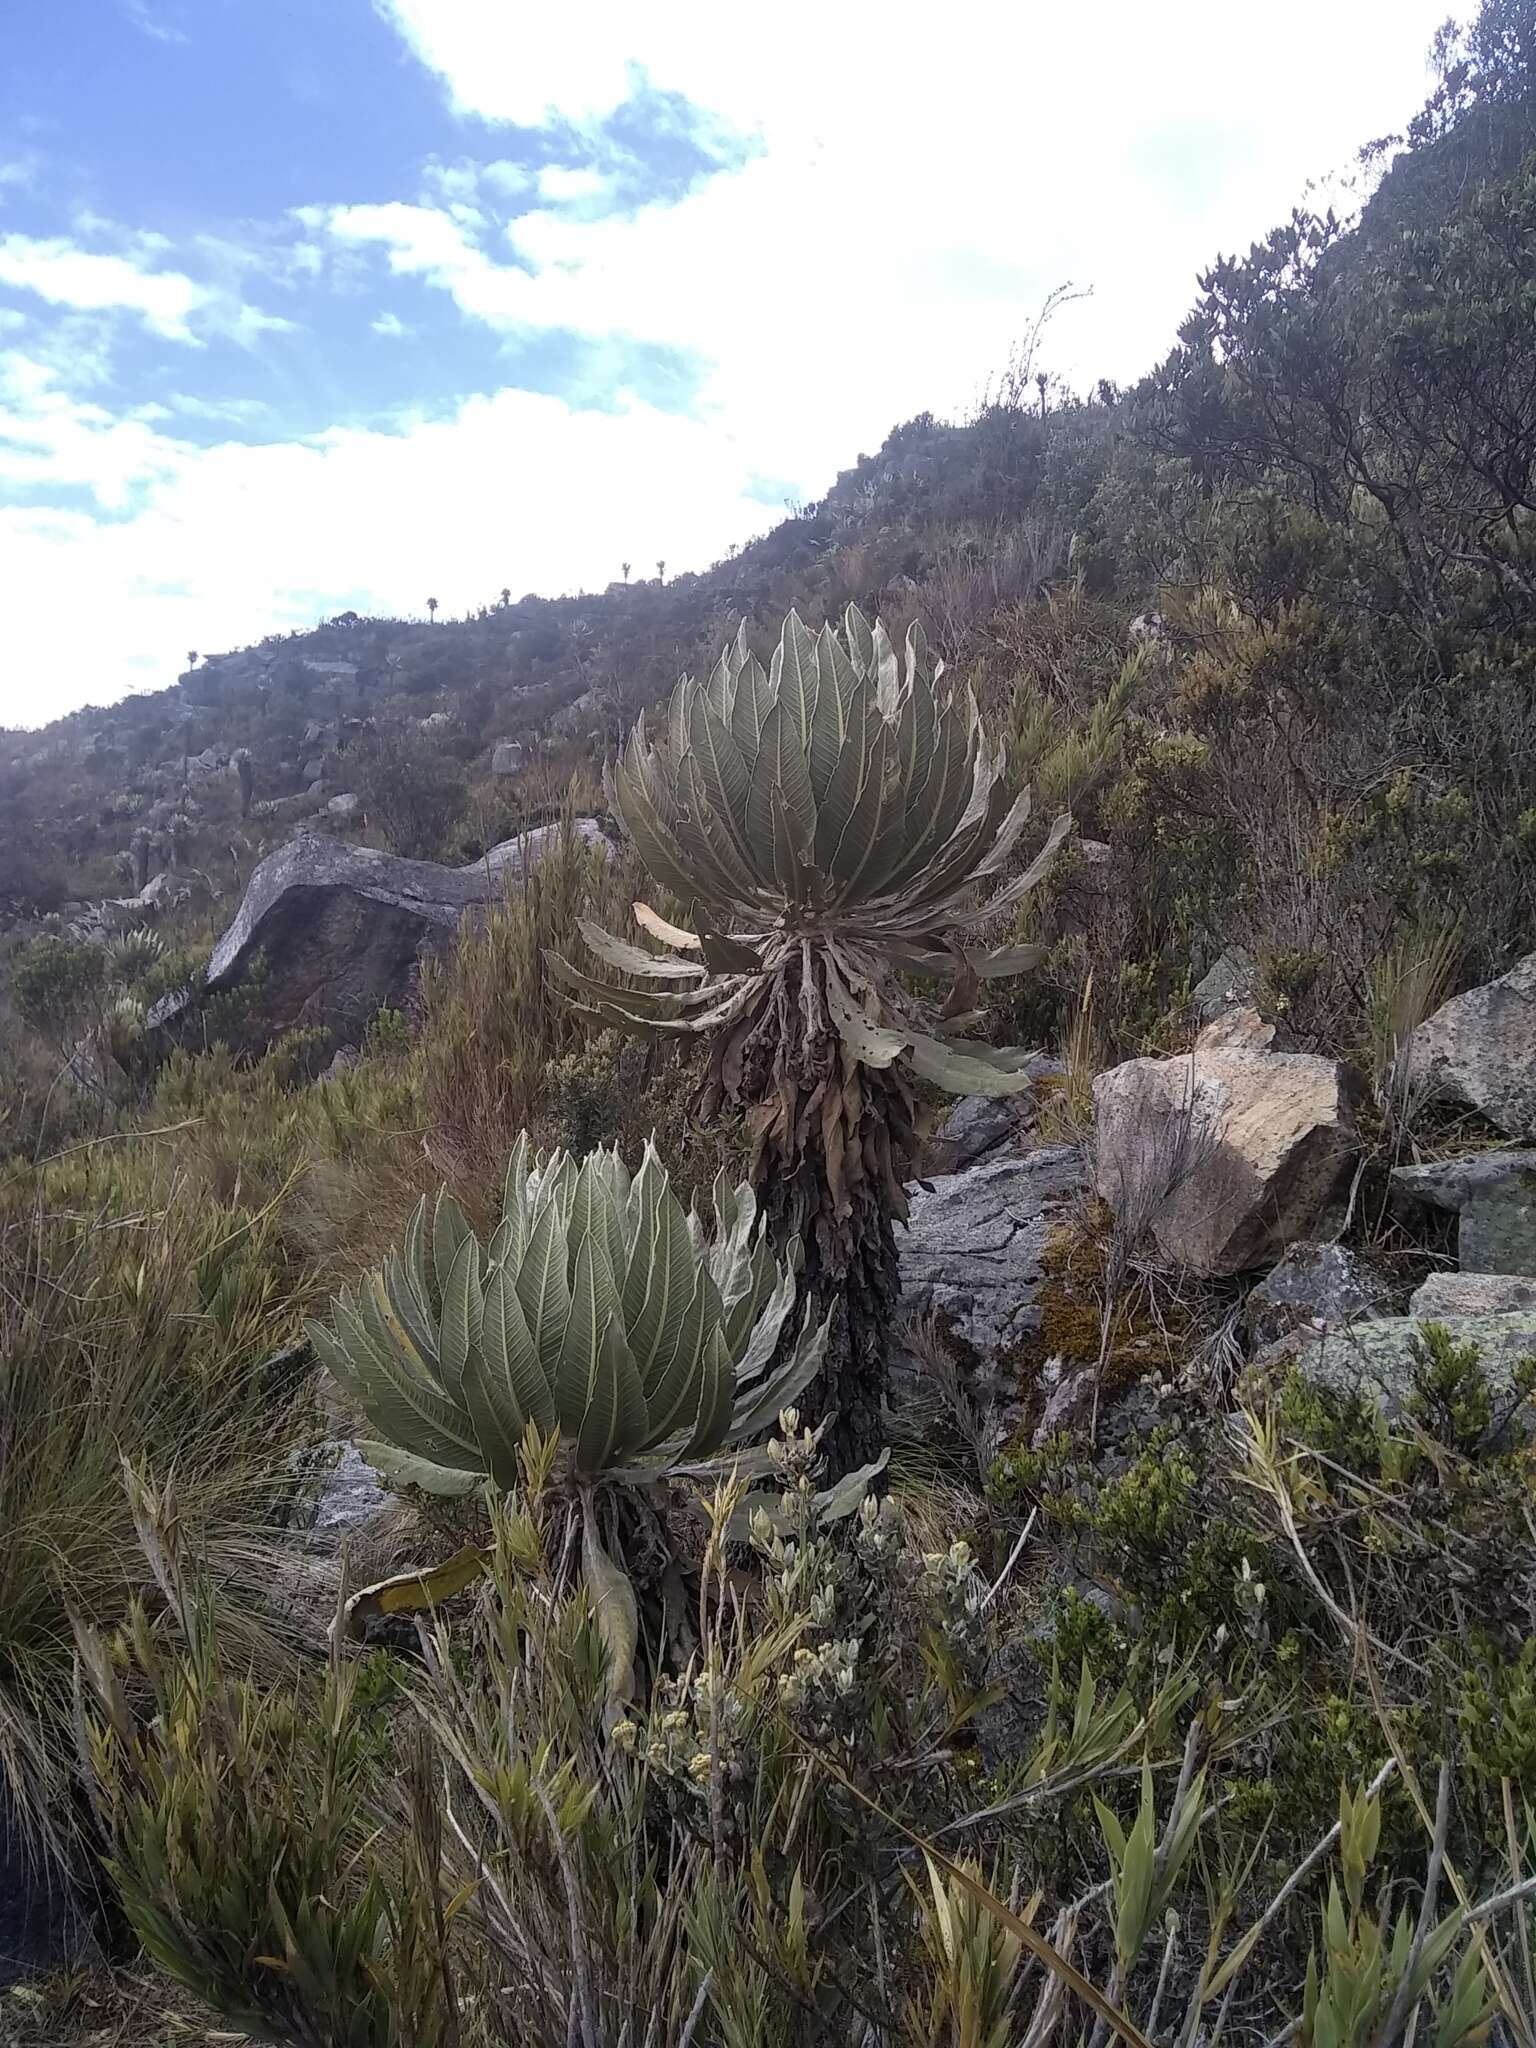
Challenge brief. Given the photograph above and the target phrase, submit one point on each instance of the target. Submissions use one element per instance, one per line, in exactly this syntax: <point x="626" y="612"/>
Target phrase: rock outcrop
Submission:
<point x="1315" y="1286"/>
<point x="1233" y="980"/>
<point x="973" y="1249"/>
<point x="1382" y="1357"/>
<point x="979" y="1126"/>
<point x="1479" y="1049"/>
<point x="1227" y="1154"/>
<point x="513" y="857"/>
<point x="1445" y="1295"/>
<point x="974" y="1258"/>
<point x="167" y="891"/>
<point x="341" y="931"/>
<point x="350" y="1498"/>
<point x="1493" y="1196"/>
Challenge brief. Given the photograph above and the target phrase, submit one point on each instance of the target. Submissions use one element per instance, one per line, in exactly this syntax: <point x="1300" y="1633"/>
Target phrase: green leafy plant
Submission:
<point x="975" y="1963"/>
<point x="239" y="1820"/>
<point x="139" y="849"/>
<point x="598" y="1318"/>
<point x="835" y="822"/>
<point x="1408" y="982"/>
<point x="133" y="954"/>
<point x="105" y="1348"/>
<point x="409" y="788"/>
<point x="464" y="1848"/>
<point x="57" y="985"/>
<point x="1067" y="761"/>
<point x="1371" y="1984"/>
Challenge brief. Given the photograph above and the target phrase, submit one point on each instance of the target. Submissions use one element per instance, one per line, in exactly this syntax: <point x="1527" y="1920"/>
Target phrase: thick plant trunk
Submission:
<point x="851" y="1268"/>
<point x="834" y="1143"/>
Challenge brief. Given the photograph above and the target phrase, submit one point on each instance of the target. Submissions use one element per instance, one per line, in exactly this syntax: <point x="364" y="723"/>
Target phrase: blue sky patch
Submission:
<point x="222" y="124"/>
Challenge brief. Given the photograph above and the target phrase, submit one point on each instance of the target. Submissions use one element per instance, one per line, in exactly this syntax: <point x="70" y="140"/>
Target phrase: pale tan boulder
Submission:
<point x="1229" y="1153"/>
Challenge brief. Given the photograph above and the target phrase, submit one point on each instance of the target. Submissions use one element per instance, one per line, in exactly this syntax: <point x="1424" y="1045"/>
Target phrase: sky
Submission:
<point x="315" y="305"/>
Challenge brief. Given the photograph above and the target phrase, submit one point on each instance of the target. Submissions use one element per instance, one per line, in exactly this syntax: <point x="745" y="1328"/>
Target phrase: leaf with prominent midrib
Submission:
<point x="511" y="1355"/>
<point x="653" y="1332"/>
<point x="463" y="1306"/>
<point x="543" y="1288"/>
<point x="450" y="1227"/>
<point x="592" y="1303"/>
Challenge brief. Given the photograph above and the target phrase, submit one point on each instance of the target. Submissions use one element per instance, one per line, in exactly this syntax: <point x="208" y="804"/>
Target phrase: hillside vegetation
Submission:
<point x="928" y="1710"/>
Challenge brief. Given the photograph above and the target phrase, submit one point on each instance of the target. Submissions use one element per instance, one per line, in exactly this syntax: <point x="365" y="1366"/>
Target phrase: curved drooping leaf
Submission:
<point x="613" y="1607"/>
<point x="393" y="1463"/>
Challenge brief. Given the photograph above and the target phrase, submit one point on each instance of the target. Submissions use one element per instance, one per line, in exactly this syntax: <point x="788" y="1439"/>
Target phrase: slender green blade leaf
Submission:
<point x="463" y="1306"/>
<point x="543" y="1288"/>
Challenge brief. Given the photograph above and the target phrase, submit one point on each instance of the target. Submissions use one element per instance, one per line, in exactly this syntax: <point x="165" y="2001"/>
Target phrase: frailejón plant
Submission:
<point x="598" y="1309"/>
<point x="600" y="1314"/>
<point x="833" y="823"/>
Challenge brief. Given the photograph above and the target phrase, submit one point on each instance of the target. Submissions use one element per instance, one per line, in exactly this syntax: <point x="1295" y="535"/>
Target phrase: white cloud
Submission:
<point x="213" y="547"/>
<point x="421" y="240"/>
<point x="246" y="324"/>
<point x="916" y="185"/>
<point x="390" y="325"/>
<point x="51" y="441"/>
<point x="509" y="179"/>
<point x="126" y="281"/>
<point x="576" y="67"/>
<point x="562" y="182"/>
<point x="920" y="184"/>
<point x="65" y="275"/>
<point x="425" y="242"/>
<point x="227" y="411"/>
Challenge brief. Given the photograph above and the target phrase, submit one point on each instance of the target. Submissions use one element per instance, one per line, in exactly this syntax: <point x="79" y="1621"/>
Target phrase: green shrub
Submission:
<point x="56" y="984"/>
<point x="410" y="790"/>
<point x="491" y="1027"/>
<point x="469" y="1848"/>
<point x="107" y="1350"/>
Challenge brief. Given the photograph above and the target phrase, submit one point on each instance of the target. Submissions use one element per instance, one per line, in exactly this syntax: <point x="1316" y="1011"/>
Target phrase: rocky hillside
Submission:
<point x="918" y="530"/>
<point x="590" y="1470"/>
<point x="1311" y="522"/>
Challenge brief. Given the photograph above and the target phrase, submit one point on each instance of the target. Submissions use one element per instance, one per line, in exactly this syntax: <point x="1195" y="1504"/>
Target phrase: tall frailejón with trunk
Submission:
<point x="839" y="832"/>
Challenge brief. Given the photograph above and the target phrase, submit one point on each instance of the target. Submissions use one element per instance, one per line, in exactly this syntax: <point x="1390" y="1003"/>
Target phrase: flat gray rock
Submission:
<point x="1380" y="1358"/>
<point x="342" y="931"/>
<point x="1493" y="1196"/>
<point x="1232" y="980"/>
<point x="311" y="864"/>
<point x="350" y="1497"/>
<point x="979" y="1125"/>
<point x="1313" y="1285"/>
<point x="974" y="1246"/>
<point x="1445" y="1295"/>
